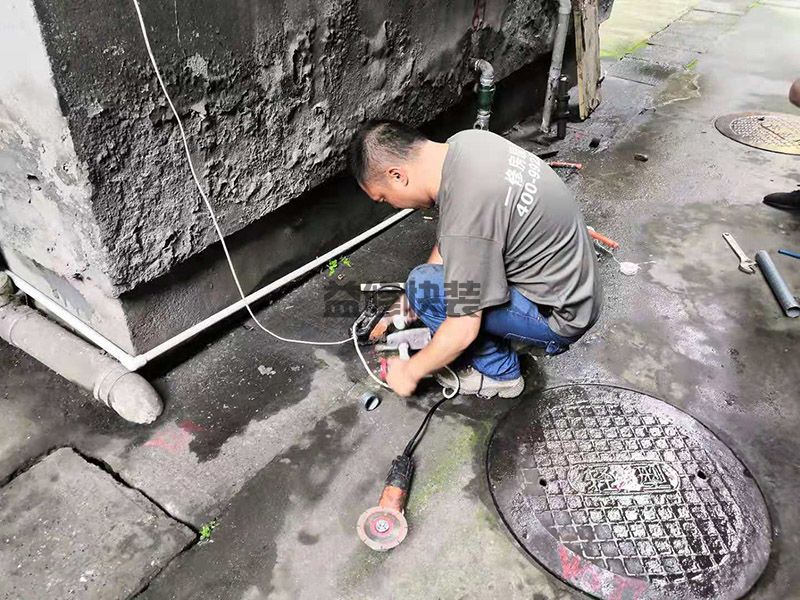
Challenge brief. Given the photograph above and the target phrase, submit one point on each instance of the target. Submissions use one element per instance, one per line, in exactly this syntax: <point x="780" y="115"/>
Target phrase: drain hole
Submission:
<point x="761" y="118"/>
<point x="543" y="482"/>
<point x="701" y="475"/>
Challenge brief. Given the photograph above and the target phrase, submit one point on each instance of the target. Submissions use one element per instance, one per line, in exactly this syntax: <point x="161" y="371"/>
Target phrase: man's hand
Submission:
<point x="400" y="377"/>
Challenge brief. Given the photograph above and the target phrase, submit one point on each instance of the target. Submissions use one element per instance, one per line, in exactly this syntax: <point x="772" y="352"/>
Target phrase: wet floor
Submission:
<point x="286" y="460"/>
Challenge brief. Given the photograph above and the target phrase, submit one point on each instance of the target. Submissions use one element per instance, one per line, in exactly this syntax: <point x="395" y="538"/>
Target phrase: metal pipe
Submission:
<point x="128" y="394"/>
<point x="786" y="252"/>
<point x="562" y="104"/>
<point x="134" y="363"/>
<point x="560" y="42"/>
<point x="777" y="284"/>
<point x="485" y="92"/>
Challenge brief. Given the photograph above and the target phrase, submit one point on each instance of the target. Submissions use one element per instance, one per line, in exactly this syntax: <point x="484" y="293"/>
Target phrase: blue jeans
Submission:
<point x="518" y="320"/>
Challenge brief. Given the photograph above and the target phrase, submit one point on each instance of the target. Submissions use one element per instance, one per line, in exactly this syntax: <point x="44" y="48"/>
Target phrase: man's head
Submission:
<point x="385" y="158"/>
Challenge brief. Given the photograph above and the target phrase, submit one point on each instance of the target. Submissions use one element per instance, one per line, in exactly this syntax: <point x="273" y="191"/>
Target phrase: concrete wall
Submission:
<point x="48" y="232"/>
<point x="269" y="91"/>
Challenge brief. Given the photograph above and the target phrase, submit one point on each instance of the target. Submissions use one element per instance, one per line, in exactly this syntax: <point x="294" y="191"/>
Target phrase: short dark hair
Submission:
<point x="378" y="141"/>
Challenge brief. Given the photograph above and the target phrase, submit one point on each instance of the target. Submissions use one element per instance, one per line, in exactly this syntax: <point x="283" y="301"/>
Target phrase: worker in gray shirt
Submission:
<point x="513" y="263"/>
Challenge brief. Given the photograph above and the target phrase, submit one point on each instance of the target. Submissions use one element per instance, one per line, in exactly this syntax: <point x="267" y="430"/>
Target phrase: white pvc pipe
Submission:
<point x="128" y="361"/>
<point x="557" y="60"/>
<point x="133" y="363"/>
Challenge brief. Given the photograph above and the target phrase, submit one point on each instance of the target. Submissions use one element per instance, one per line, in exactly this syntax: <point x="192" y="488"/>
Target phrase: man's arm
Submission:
<point x="453" y="337"/>
<point x="435" y="258"/>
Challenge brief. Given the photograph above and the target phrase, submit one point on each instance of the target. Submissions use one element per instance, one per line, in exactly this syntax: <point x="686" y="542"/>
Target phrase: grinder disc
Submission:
<point x="382" y="528"/>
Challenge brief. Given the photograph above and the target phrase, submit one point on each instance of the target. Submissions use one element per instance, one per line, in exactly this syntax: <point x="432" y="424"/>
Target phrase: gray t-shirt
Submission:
<point x="506" y="219"/>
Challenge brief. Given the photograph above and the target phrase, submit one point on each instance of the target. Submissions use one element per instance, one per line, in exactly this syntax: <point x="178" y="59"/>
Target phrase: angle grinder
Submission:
<point x="383" y="527"/>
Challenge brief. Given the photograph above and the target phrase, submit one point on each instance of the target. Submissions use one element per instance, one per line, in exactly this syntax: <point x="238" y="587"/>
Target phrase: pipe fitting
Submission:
<point x="485" y="92"/>
<point x="486" y="70"/>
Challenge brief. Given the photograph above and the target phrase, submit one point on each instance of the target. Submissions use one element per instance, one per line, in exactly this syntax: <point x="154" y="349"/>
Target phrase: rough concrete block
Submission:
<point x="68" y="530"/>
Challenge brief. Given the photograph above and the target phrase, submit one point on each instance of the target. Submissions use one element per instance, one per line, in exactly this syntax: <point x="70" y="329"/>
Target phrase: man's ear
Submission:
<point x="397" y="176"/>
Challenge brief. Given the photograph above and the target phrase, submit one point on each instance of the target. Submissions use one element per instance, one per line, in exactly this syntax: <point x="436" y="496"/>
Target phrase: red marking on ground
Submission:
<point x="590" y="577"/>
<point x="190" y="426"/>
<point x="172" y="439"/>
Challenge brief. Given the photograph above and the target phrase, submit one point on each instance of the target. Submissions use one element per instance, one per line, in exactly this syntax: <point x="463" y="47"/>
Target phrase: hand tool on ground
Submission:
<point x="567" y="165"/>
<point x="791" y="253"/>
<point x="746" y="265"/>
<point x="611" y="244"/>
<point x="383" y="527"/>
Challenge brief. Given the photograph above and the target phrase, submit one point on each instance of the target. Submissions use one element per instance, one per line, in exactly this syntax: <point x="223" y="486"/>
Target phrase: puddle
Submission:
<point x="679" y="87"/>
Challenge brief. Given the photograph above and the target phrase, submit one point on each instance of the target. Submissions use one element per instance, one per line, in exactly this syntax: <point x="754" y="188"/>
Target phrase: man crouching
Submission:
<point x="513" y="264"/>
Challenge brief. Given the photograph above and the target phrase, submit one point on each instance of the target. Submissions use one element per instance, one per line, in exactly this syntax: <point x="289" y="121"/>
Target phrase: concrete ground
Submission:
<point x="269" y="439"/>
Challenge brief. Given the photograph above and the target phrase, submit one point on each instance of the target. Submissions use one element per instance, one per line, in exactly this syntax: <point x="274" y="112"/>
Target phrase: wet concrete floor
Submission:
<point x="286" y="460"/>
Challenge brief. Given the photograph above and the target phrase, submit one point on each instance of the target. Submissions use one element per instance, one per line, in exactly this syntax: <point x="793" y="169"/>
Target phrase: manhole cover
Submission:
<point x="624" y="496"/>
<point x="776" y="132"/>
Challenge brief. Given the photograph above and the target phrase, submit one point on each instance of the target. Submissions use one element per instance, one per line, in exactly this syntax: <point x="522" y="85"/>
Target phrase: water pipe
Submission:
<point x="557" y="60"/>
<point x="133" y="363"/>
<point x="777" y="284"/>
<point x="485" y="92"/>
<point x="128" y="394"/>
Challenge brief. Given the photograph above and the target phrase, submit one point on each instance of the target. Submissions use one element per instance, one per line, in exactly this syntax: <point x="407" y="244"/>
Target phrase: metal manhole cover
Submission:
<point x="776" y="132"/>
<point x="623" y="496"/>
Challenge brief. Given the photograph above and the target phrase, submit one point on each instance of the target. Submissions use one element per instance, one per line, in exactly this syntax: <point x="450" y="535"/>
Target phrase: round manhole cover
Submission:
<point x="776" y="132"/>
<point x="623" y="496"/>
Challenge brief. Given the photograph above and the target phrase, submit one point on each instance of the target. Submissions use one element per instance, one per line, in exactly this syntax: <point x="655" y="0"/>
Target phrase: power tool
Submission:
<point x="383" y="527"/>
<point x="373" y="311"/>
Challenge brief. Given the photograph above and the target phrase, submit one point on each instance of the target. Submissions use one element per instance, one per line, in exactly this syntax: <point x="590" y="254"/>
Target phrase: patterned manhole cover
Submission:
<point x="624" y="496"/>
<point x="776" y="132"/>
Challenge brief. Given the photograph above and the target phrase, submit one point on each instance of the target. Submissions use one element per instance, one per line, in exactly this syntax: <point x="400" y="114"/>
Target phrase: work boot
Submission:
<point x="473" y="382"/>
<point x="784" y="200"/>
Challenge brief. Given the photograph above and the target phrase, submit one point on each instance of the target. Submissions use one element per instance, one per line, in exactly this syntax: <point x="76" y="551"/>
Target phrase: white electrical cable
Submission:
<point x="211" y="212"/>
<point x="213" y="216"/>
<point x="364" y="360"/>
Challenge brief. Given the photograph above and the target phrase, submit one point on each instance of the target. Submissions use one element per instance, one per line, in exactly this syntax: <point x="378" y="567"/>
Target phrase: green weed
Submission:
<point x="207" y="529"/>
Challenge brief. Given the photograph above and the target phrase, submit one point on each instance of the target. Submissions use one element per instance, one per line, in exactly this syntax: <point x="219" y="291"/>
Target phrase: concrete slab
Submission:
<point x="642" y="71"/>
<point x="731" y="7"/>
<point x="630" y="26"/>
<point x="664" y="55"/>
<point x="69" y="530"/>
<point x="782" y="3"/>
<point x="308" y="509"/>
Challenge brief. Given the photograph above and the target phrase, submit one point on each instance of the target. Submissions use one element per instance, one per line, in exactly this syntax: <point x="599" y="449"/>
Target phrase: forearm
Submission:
<point x="435" y="258"/>
<point x="450" y="340"/>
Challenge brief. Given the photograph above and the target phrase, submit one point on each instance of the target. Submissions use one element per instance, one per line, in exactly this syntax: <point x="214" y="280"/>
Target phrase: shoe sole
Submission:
<point x="504" y="392"/>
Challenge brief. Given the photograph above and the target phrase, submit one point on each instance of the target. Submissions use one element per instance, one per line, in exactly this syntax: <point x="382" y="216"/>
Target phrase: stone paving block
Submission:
<point x="69" y="530"/>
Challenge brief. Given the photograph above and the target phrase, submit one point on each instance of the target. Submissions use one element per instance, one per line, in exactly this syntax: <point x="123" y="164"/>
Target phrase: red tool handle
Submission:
<point x="384" y="368"/>
<point x="566" y="165"/>
<point x="603" y="239"/>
